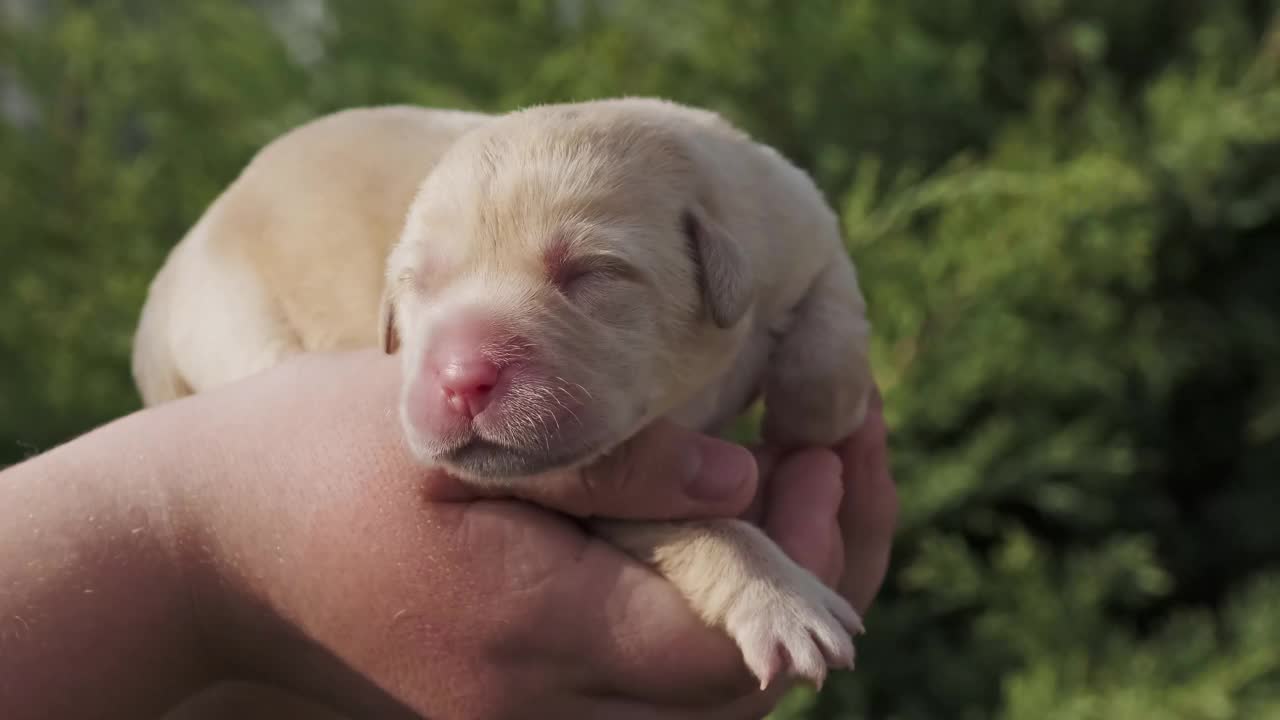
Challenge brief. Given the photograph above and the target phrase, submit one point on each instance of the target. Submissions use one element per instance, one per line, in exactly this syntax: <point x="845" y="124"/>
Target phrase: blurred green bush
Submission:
<point x="1066" y="214"/>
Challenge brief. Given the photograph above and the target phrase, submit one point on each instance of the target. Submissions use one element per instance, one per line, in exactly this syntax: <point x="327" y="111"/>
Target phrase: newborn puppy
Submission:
<point x="564" y="275"/>
<point x="569" y="273"/>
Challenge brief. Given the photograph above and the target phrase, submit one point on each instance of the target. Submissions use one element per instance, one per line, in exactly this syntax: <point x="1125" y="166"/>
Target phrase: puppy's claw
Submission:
<point x="765" y="662"/>
<point x="808" y="663"/>
<point x="847" y="615"/>
<point x="837" y="649"/>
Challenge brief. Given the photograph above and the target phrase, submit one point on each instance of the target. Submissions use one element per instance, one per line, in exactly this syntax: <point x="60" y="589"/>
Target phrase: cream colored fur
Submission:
<point x="725" y="276"/>
<point x="290" y="258"/>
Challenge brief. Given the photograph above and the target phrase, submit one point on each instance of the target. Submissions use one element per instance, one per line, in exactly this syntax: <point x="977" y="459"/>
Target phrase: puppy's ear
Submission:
<point x="724" y="275"/>
<point x="387" y="331"/>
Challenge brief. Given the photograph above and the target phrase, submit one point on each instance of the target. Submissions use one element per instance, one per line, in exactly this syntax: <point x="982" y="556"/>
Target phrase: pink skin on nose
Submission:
<point x="467" y="381"/>
<point x="458" y="379"/>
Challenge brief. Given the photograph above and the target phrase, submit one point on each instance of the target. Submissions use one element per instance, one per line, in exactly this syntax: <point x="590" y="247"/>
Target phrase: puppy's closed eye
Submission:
<point x="604" y="289"/>
<point x="573" y="276"/>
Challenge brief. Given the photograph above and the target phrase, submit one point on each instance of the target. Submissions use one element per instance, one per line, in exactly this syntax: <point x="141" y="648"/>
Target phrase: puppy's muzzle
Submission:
<point x="465" y="372"/>
<point x="483" y="400"/>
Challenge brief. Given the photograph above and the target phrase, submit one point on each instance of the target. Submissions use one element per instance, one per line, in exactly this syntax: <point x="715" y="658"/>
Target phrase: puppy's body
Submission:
<point x="291" y="257"/>
<point x="562" y="276"/>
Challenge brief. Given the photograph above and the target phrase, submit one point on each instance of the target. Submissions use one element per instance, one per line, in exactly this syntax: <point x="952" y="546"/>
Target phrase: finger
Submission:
<point x="751" y="706"/>
<point x="582" y="614"/>
<point x="666" y="472"/>
<point x="439" y="486"/>
<point x="833" y="572"/>
<point x="801" y="508"/>
<point x="869" y="512"/>
<point x="249" y="701"/>
<point x="575" y="612"/>
<point x="642" y="638"/>
<point x="766" y="462"/>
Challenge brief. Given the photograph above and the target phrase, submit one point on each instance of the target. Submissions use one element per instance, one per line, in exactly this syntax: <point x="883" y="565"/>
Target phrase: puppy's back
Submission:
<point x="291" y="256"/>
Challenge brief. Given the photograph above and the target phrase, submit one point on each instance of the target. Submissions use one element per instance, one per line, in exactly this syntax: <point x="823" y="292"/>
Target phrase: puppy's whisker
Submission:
<point x="584" y="390"/>
<point x="565" y="407"/>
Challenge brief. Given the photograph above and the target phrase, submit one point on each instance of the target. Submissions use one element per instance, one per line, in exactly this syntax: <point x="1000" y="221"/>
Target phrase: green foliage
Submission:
<point x="1066" y="216"/>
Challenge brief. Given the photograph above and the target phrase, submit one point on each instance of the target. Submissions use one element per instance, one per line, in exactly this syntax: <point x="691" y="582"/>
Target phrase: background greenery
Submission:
<point x="1066" y="214"/>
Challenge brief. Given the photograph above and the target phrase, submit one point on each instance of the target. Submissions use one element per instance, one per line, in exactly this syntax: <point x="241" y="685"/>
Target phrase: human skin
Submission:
<point x="277" y="531"/>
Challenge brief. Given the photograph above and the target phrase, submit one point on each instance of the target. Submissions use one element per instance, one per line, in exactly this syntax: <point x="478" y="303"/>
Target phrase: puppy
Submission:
<point x="564" y="275"/>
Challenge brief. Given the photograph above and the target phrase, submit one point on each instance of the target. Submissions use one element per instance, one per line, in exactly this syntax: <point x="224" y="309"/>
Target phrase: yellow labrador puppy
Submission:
<point x="554" y="279"/>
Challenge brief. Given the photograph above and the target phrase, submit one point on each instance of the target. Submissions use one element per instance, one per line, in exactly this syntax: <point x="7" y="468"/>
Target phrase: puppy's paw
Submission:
<point x="783" y="619"/>
<point x="800" y="629"/>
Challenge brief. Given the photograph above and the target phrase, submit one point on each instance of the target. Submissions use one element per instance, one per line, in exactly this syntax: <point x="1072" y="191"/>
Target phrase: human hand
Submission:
<point x="340" y="570"/>
<point x="247" y="534"/>
<point x="835" y="510"/>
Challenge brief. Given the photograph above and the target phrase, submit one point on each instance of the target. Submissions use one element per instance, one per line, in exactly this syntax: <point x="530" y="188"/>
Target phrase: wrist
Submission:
<point x="261" y="520"/>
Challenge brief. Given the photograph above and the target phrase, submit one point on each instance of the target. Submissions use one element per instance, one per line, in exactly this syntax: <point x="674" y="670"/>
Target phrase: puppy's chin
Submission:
<point x="487" y="453"/>
<point x="488" y="462"/>
<point x="485" y="462"/>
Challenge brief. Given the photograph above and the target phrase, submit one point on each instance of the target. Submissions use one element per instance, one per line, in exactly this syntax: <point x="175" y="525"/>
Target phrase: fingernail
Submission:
<point x="717" y="470"/>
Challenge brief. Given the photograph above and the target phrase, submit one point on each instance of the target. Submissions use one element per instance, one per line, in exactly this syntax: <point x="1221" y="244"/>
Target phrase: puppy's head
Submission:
<point x="562" y="279"/>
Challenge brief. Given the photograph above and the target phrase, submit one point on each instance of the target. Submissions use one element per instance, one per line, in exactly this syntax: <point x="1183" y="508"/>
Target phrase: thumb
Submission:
<point x="665" y="472"/>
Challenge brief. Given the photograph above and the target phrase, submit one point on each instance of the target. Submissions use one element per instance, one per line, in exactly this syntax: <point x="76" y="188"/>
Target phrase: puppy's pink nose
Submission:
<point x="468" y="383"/>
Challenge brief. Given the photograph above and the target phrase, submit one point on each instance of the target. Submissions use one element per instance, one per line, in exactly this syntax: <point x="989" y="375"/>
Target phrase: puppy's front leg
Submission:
<point x="735" y="577"/>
